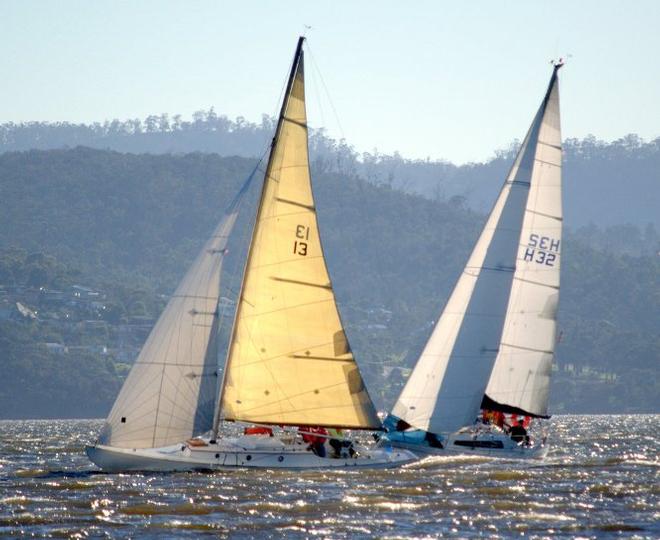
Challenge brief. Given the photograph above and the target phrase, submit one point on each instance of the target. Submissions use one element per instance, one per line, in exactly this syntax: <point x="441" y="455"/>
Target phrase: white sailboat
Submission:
<point x="493" y="346"/>
<point x="288" y="365"/>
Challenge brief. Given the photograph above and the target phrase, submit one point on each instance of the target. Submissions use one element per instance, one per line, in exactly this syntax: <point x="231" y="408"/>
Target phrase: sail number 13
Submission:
<point x="300" y="246"/>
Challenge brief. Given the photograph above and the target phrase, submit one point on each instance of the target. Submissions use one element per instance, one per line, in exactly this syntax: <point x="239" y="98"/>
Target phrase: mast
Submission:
<point x="289" y="361"/>
<point x="292" y="74"/>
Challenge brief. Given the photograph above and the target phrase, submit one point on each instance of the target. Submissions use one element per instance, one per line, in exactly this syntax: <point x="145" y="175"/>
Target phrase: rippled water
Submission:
<point x="600" y="479"/>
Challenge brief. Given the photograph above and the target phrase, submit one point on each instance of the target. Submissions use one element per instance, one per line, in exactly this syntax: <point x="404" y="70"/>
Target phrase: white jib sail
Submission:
<point x="170" y="393"/>
<point x="521" y="376"/>
<point x="446" y="388"/>
<point x="289" y="361"/>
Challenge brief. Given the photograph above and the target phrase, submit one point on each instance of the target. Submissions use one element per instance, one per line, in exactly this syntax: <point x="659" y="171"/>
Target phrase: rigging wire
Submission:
<point x="232" y="271"/>
<point x="348" y="175"/>
<point x="327" y="92"/>
<point x="317" y="94"/>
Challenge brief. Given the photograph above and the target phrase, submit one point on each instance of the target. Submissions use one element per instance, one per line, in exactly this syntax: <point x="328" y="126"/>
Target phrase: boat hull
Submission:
<point x="265" y="454"/>
<point x="475" y="443"/>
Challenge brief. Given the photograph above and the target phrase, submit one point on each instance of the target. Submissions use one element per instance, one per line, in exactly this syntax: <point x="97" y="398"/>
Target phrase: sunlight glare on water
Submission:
<point x="600" y="479"/>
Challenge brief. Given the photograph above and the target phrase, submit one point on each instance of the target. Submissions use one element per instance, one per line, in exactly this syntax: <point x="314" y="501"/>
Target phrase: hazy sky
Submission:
<point x="448" y="80"/>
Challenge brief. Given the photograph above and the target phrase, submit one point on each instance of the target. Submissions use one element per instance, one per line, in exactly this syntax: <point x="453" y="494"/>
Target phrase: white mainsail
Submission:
<point x="520" y="381"/>
<point x="289" y="361"/>
<point x="499" y="285"/>
<point x="170" y="393"/>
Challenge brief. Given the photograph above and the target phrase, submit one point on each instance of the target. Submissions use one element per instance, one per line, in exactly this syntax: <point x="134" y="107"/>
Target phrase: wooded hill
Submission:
<point x="129" y="225"/>
<point x="605" y="183"/>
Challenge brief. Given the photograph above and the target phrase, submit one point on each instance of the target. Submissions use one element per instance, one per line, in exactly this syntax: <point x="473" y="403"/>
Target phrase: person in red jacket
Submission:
<point x="258" y="430"/>
<point x="498" y="417"/>
<point x="518" y="432"/>
<point x="316" y="443"/>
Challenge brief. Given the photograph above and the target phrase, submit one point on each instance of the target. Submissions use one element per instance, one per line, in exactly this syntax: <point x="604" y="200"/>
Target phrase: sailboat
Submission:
<point x="493" y="346"/>
<point x="289" y="367"/>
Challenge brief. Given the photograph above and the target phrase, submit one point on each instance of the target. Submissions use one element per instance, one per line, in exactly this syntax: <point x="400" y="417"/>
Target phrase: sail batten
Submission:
<point x="289" y="361"/>
<point x="470" y="349"/>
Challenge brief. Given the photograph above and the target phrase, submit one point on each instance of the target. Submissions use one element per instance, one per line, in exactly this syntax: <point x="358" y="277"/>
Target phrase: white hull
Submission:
<point x="244" y="452"/>
<point x="477" y="442"/>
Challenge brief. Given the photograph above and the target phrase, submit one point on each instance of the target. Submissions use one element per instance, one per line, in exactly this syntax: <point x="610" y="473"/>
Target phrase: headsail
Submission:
<point x="520" y="380"/>
<point x="447" y="386"/>
<point x="170" y="393"/>
<point x="289" y="361"/>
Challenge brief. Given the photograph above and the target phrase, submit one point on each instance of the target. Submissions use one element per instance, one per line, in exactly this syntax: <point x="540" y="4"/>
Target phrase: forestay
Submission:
<point x="289" y="361"/>
<point x="446" y="388"/>
<point x="170" y="393"/>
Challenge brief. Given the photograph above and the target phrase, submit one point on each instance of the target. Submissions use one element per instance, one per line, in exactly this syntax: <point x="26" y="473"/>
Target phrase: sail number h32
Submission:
<point x="541" y="250"/>
<point x="300" y="246"/>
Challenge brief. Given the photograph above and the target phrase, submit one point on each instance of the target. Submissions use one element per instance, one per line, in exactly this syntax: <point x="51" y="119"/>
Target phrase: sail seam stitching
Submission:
<point x="306" y="283"/>
<point x="285" y="214"/>
<point x="308" y="258"/>
<point x="545" y="215"/>
<point x="290" y="354"/>
<point x="557" y="147"/>
<point x="294" y="203"/>
<point x="286" y="307"/>
<point x="324" y="358"/>
<point x="518" y="183"/>
<point x="536" y="283"/>
<point x="547" y="162"/>
<point x="526" y="348"/>
<point x="297" y="122"/>
<point x="493" y="269"/>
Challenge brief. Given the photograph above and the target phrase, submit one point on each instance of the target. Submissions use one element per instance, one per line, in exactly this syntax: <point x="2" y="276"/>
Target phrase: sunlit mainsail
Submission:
<point x="289" y="361"/>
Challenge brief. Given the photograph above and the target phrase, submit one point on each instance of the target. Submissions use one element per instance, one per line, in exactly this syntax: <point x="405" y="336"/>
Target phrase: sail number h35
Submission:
<point x="541" y="250"/>
<point x="299" y="247"/>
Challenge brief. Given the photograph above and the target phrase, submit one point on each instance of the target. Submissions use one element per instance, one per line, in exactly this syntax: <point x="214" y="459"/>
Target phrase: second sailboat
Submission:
<point x="493" y="346"/>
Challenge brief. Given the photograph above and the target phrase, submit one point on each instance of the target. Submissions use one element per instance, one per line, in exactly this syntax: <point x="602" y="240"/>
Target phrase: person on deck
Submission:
<point x="338" y="443"/>
<point x="519" y="433"/>
<point x="498" y="419"/>
<point x="258" y="430"/>
<point x="316" y="443"/>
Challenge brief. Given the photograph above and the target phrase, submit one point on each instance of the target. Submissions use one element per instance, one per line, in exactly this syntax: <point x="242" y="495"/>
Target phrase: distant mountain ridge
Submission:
<point x="130" y="224"/>
<point x="606" y="184"/>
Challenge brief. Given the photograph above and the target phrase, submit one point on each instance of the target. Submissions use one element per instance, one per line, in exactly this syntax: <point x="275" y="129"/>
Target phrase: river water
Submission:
<point x="600" y="479"/>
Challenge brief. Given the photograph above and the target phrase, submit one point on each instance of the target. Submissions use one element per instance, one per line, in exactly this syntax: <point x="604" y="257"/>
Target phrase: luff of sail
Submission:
<point x="170" y="393"/>
<point x="446" y="388"/>
<point x="520" y="381"/>
<point x="289" y="361"/>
